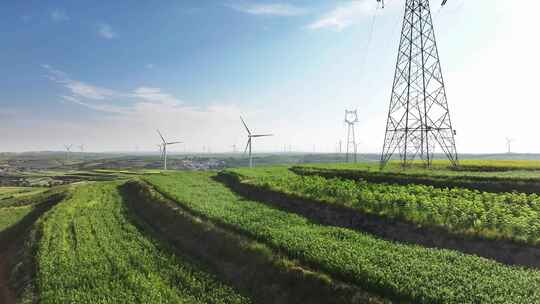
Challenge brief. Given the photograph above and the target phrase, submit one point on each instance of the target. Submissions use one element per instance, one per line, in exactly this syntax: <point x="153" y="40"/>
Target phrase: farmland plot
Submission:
<point x="88" y="251"/>
<point x="496" y="178"/>
<point x="513" y="216"/>
<point x="401" y="272"/>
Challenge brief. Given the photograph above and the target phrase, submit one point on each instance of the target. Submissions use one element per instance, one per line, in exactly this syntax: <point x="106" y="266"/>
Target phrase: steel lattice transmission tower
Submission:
<point x="351" y="118"/>
<point x="418" y="118"/>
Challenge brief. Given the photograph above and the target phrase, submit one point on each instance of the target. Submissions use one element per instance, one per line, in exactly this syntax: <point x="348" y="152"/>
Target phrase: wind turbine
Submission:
<point x="250" y="137"/>
<point x="81" y="148"/>
<point x="163" y="146"/>
<point x="68" y="151"/>
<point x="160" y="147"/>
<point x="509" y="144"/>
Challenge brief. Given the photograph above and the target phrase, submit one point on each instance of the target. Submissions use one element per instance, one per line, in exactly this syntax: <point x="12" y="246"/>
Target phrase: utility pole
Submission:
<point x="351" y="118"/>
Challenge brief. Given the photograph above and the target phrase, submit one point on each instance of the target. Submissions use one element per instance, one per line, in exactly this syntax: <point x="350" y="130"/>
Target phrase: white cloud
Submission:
<point x="78" y="88"/>
<point x="102" y="107"/>
<point x="272" y="9"/>
<point x="86" y="94"/>
<point x="106" y="31"/>
<point x="88" y="91"/>
<point x="59" y="15"/>
<point x="134" y="117"/>
<point x="155" y="95"/>
<point x="344" y="15"/>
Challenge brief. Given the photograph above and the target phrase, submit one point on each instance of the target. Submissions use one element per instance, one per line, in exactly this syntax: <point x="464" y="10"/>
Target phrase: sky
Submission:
<point x="107" y="74"/>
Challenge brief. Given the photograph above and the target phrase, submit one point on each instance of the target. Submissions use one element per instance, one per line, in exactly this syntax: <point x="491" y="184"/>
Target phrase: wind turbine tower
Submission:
<point x="160" y="147"/>
<point x="164" y="149"/>
<point x="68" y="151"/>
<point x="418" y="117"/>
<point x="249" y="141"/>
<point x="351" y="118"/>
<point x="509" y="142"/>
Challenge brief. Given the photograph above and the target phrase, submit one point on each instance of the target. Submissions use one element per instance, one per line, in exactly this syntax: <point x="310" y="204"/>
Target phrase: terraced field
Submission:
<point x="7" y="193"/>
<point x="90" y="252"/>
<point x="501" y="176"/>
<point x="397" y="271"/>
<point x="514" y="216"/>
<point x="277" y="235"/>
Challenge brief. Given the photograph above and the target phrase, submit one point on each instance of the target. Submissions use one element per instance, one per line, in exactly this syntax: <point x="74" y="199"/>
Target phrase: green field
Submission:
<point x="494" y="176"/>
<point x="11" y="215"/>
<point x="16" y="192"/>
<point x="398" y="271"/>
<point x="90" y="252"/>
<point x="467" y="168"/>
<point x="513" y="216"/>
<point x="279" y="235"/>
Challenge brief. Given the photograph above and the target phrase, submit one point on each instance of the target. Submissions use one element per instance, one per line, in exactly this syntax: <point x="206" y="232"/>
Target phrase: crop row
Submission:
<point x="513" y="216"/>
<point x="89" y="251"/>
<point x="246" y="264"/>
<point x="11" y="215"/>
<point x="515" y="180"/>
<point x="403" y="272"/>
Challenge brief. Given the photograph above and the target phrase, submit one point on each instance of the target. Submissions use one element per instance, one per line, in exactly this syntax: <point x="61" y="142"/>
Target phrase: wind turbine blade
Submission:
<point x="247" y="129"/>
<point x="174" y="142"/>
<point x="262" y="135"/>
<point x="247" y="145"/>
<point x="163" y="139"/>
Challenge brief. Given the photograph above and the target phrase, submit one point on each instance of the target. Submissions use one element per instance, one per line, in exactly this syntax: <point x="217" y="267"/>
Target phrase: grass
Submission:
<point x="512" y="216"/>
<point x="15" y="192"/>
<point x="468" y="168"/>
<point x="479" y="175"/>
<point x="12" y="215"/>
<point x="491" y="165"/>
<point x="268" y="277"/>
<point x="402" y="272"/>
<point x="31" y="197"/>
<point x="88" y="251"/>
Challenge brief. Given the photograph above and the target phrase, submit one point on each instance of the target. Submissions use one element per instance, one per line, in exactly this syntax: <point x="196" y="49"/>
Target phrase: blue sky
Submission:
<point x="107" y="74"/>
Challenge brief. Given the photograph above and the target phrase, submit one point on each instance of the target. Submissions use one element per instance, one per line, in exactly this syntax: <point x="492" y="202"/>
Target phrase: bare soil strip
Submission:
<point x="506" y="252"/>
<point x="7" y="295"/>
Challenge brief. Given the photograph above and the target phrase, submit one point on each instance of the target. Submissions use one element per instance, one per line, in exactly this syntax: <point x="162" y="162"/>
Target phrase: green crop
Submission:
<point x="514" y="216"/>
<point x="471" y="177"/>
<point x="403" y="272"/>
<point x="90" y="252"/>
<point x="18" y="192"/>
<point x="11" y="215"/>
<point x="475" y="167"/>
